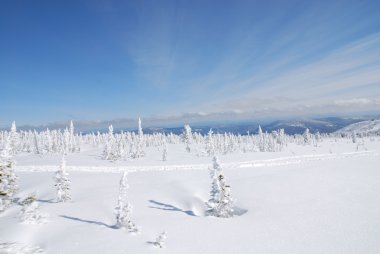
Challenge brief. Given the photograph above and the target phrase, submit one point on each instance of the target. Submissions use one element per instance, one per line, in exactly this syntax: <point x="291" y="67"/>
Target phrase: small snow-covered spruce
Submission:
<point x="165" y="153"/>
<point x="140" y="142"/>
<point x="221" y="203"/>
<point x="14" y="139"/>
<point x="160" y="240"/>
<point x="210" y="146"/>
<point x="187" y="136"/>
<point x="62" y="182"/>
<point x="124" y="208"/>
<point x="8" y="179"/>
<point x="30" y="213"/>
<point x="225" y="206"/>
<point x="306" y="136"/>
<point x="353" y="137"/>
<point x="215" y="171"/>
<point x="109" y="152"/>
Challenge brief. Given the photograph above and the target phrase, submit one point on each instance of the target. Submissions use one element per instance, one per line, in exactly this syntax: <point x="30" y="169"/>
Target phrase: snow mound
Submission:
<point x="365" y="127"/>
<point x="19" y="248"/>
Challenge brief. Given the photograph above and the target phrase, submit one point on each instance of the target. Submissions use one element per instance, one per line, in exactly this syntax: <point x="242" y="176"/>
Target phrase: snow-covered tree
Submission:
<point x="62" y="182"/>
<point x="221" y="203"/>
<point x="124" y="208"/>
<point x="140" y="131"/>
<point x="215" y="171"/>
<point x="210" y="146"/>
<point x="187" y="136"/>
<point x="165" y="153"/>
<point x="353" y="137"/>
<point x="8" y="179"/>
<point x="140" y="142"/>
<point x="160" y="240"/>
<point x="14" y="139"/>
<point x="71" y="138"/>
<point x="225" y="205"/>
<point x="262" y="143"/>
<point x="111" y="151"/>
<point x="306" y="136"/>
<point x="30" y="212"/>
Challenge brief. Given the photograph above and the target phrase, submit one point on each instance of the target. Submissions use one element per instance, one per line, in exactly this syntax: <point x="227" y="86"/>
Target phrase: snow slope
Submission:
<point x="303" y="200"/>
<point x="366" y="127"/>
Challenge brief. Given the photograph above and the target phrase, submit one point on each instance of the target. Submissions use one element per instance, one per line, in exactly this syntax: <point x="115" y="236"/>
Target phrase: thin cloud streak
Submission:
<point x="339" y="75"/>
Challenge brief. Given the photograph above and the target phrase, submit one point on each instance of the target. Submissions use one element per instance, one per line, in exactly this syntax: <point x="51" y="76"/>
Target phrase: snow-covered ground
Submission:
<point x="364" y="127"/>
<point x="305" y="199"/>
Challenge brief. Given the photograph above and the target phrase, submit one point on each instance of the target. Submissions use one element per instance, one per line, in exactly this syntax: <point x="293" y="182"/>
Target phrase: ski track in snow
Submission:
<point x="233" y="165"/>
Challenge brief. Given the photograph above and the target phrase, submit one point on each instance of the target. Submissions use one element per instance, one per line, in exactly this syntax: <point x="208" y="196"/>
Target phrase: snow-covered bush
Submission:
<point x="30" y="212"/>
<point x="160" y="240"/>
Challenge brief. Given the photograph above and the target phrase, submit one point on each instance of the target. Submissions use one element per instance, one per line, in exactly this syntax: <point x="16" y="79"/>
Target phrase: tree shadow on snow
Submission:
<point x="167" y="207"/>
<point x="90" y="222"/>
<point x="51" y="201"/>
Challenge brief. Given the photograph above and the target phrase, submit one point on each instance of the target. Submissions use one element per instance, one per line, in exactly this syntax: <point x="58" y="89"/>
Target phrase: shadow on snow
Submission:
<point x="167" y="207"/>
<point x="90" y="222"/>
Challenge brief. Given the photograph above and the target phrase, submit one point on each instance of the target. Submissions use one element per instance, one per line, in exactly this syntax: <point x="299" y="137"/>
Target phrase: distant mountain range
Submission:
<point x="291" y="126"/>
<point x="295" y="126"/>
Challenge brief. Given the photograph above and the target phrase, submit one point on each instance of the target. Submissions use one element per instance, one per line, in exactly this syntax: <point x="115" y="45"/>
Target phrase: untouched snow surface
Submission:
<point x="303" y="200"/>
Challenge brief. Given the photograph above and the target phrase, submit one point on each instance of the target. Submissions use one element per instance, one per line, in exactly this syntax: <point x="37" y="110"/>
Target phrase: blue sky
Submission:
<point x="99" y="60"/>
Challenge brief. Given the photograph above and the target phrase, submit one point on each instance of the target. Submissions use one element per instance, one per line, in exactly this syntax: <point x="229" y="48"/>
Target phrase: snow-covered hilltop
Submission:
<point x="371" y="127"/>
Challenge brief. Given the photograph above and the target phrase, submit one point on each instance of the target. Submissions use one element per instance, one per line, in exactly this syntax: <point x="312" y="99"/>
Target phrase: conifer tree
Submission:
<point x="72" y="138"/>
<point x="215" y="171"/>
<point x="187" y="136"/>
<point x="165" y="153"/>
<point x="62" y="182"/>
<point x="224" y="207"/>
<point x="210" y="146"/>
<point x="14" y="139"/>
<point x="306" y="136"/>
<point x="8" y="179"/>
<point x="221" y="202"/>
<point x="353" y="137"/>
<point x="140" y="141"/>
<point x="124" y="208"/>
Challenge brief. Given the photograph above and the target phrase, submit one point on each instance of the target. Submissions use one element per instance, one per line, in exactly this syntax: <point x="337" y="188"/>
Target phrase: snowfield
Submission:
<point x="303" y="199"/>
<point x="364" y="127"/>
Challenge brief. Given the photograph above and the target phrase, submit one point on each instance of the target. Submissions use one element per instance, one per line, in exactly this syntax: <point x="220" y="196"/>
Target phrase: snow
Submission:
<point x="305" y="199"/>
<point x="364" y="127"/>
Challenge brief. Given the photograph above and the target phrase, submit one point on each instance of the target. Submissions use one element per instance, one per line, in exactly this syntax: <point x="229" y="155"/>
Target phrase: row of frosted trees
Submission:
<point x="131" y="145"/>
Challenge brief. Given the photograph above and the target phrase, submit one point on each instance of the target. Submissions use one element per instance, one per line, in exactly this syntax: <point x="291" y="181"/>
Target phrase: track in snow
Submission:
<point x="231" y="165"/>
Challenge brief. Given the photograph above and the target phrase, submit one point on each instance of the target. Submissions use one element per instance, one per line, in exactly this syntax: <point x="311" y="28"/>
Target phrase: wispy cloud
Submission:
<point x="343" y="74"/>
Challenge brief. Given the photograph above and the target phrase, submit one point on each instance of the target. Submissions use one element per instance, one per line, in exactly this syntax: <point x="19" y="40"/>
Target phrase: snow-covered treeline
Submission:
<point x="131" y="145"/>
